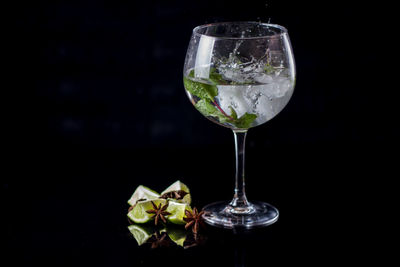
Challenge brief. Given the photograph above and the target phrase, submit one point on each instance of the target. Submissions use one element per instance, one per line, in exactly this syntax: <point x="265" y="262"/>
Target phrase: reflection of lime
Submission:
<point x="140" y="233"/>
<point x="139" y="215"/>
<point x="144" y="193"/>
<point x="177" y="235"/>
<point x="177" y="211"/>
<point x="178" y="185"/>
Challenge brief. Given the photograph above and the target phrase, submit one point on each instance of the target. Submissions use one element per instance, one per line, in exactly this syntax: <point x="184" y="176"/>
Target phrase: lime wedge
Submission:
<point x="187" y="199"/>
<point x="144" y="193"/>
<point x="139" y="215"/>
<point x="140" y="233"/>
<point x="177" y="211"/>
<point x="178" y="185"/>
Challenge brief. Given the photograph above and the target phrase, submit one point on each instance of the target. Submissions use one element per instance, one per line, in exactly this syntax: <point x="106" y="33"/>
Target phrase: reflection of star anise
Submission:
<point x="194" y="220"/>
<point x="158" y="240"/>
<point x="178" y="194"/>
<point x="159" y="212"/>
<point x="194" y="240"/>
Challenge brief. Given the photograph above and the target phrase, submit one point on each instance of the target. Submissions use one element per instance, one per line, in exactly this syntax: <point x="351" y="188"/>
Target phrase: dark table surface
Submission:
<point x="103" y="110"/>
<point x="71" y="208"/>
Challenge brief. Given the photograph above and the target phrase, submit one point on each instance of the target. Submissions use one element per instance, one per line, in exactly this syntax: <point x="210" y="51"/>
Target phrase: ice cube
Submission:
<point x="263" y="78"/>
<point x="282" y="85"/>
<point x="233" y="96"/>
<point x="232" y="75"/>
<point x="258" y="98"/>
<point x="234" y="70"/>
<point x="264" y="108"/>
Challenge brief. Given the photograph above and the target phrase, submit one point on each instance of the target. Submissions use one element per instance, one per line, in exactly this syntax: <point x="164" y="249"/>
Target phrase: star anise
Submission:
<point x="194" y="220"/>
<point x="178" y="194"/>
<point x="159" y="212"/>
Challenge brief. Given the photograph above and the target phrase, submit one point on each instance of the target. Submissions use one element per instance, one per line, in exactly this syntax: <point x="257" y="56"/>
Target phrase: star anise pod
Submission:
<point x="159" y="212"/>
<point x="194" y="220"/>
<point x="178" y="194"/>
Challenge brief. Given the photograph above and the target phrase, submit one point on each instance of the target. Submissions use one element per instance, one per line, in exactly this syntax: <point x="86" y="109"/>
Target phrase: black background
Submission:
<point x="101" y="109"/>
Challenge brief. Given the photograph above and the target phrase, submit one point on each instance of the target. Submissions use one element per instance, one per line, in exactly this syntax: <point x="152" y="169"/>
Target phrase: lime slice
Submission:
<point x="139" y="215"/>
<point x="144" y="193"/>
<point x="177" y="211"/>
<point x="140" y="233"/>
<point x="178" y="185"/>
<point x="187" y="199"/>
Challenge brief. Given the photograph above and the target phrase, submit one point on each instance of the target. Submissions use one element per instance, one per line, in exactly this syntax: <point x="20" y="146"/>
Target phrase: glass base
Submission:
<point x="257" y="214"/>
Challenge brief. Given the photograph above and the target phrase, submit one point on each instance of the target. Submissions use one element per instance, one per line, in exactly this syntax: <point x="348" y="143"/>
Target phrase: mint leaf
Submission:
<point x="233" y="113"/>
<point x="245" y="121"/>
<point x="208" y="109"/>
<point x="215" y="77"/>
<point x="201" y="90"/>
<point x="208" y="106"/>
<point x="268" y="68"/>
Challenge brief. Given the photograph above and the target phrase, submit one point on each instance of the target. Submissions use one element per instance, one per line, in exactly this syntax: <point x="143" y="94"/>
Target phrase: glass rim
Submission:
<point x="282" y="29"/>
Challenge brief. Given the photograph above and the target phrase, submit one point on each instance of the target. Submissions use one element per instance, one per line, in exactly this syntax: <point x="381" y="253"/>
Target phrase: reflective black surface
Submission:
<point x="73" y="209"/>
<point x="101" y="109"/>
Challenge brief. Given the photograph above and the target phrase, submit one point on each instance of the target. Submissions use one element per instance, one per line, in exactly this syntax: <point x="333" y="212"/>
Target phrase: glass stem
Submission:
<point x="239" y="202"/>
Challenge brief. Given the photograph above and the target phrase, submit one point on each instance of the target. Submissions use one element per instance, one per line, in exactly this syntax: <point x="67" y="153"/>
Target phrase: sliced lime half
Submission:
<point x="177" y="211"/>
<point x="177" y="186"/>
<point x="139" y="215"/>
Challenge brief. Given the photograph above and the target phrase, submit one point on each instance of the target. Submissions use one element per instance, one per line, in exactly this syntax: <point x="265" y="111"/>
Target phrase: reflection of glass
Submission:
<point x="239" y="75"/>
<point x="164" y="237"/>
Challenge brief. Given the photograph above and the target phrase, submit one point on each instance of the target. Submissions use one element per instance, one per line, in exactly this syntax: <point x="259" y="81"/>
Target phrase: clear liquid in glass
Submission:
<point x="263" y="96"/>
